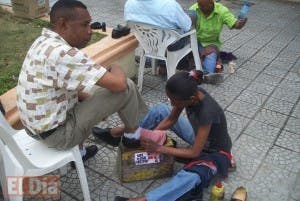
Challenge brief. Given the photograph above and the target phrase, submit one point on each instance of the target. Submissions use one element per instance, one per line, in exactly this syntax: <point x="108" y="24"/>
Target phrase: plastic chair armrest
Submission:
<point x="191" y="32"/>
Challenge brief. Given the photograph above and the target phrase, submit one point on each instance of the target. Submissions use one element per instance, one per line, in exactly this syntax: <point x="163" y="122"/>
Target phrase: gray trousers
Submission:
<point x="86" y="114"/>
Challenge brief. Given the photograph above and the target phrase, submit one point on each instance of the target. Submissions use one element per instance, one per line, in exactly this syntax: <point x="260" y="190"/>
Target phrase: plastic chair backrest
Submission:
<point x="6" y="135"/>
<point x="154" y="40"/>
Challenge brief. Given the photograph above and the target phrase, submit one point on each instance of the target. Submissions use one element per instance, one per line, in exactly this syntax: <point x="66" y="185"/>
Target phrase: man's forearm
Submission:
<point x="116" y="70"/>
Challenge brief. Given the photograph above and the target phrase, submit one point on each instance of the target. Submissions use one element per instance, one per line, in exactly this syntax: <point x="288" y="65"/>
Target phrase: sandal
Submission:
<point x="240" y="194"/>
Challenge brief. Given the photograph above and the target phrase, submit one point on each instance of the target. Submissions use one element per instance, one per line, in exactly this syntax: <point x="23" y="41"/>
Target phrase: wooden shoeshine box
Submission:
<point x="137" y="164"/>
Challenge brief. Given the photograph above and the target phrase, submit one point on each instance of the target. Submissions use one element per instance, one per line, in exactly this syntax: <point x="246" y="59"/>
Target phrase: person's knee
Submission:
<point x="212" y="56"/>
<point x="209" y="63"/>
<point x="161" y="108"/>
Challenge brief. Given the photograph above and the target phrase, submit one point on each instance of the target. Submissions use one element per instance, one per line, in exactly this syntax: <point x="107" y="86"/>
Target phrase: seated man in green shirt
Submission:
<point x="211" y="17"/>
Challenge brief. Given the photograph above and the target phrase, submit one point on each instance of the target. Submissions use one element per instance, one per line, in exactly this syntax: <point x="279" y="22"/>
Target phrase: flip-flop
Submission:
<point x="240" y="194"/>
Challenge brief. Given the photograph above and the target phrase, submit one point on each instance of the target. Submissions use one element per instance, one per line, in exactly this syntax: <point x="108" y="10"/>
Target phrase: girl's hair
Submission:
<point x="184" y="84"/>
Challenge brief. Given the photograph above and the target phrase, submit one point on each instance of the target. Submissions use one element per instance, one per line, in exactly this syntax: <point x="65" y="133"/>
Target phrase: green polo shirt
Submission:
<point x="209" y="29"/>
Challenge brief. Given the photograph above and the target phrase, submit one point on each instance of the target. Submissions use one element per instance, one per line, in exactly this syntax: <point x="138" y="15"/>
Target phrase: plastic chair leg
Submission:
<point x="171" y="66"/>
<point x="82" y="175"/>
<point x="195" y="51"/>
<point x="141" y="72"/>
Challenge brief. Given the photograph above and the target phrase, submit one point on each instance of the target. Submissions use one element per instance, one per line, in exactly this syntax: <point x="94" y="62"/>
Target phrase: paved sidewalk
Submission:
<point x="261" y="102"/>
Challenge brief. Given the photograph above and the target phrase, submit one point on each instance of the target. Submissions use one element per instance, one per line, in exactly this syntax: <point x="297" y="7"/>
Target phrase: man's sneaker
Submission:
<point x="104" y="135"/>
<point x="213" y="78"/>
<point x="119" y="198"/>
<point x="90" y="152"/>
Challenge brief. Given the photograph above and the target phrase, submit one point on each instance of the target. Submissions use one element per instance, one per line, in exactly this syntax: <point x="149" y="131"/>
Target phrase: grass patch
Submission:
<point x="16" y="37"/>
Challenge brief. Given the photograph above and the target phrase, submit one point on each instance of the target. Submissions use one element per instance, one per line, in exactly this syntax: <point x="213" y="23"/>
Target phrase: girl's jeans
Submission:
<point x="183" y="181"/>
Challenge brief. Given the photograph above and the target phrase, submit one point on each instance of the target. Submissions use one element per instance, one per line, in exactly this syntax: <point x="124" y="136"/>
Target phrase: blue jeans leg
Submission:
<point x="182" y="127"/>
<point x="181" y="183"/>
<point x="209" y="62"/>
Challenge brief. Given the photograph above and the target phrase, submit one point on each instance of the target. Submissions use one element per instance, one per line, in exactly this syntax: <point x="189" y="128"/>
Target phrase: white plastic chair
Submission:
<point x="154" y="42"/>
<point x="21" y="155"/>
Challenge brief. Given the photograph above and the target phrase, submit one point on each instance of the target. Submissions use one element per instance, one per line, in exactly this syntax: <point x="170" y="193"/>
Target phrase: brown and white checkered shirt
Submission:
<point x="52" y="74"/>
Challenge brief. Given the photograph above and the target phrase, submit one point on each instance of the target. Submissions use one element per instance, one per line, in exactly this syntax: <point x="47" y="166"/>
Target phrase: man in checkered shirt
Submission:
<point x="54" y="90"/>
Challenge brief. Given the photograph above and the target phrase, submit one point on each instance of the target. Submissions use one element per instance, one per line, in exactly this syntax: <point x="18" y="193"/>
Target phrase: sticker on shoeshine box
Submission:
<point x="143" y="158"/>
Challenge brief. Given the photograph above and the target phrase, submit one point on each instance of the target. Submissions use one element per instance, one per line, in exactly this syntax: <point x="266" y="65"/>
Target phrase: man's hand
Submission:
<point x="82" y="96"/>
<point x="240" y="23"/>
<point x="150" y="145"/>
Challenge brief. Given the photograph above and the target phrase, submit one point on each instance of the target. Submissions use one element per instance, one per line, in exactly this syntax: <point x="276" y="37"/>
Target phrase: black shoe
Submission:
<point x="103" y="27"/>
<point x="90" y="152"/>
<point x="104" y="135"/>
<point x="96" y="25"/>
<point x="120" y="31"/>
<point x="131" y="143"/>
<point x="119" y="198"/>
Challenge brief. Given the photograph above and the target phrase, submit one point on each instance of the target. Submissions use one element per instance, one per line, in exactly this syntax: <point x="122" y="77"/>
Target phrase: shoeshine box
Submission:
<point x="138" y="164"/>
<point x="30" y="8"/>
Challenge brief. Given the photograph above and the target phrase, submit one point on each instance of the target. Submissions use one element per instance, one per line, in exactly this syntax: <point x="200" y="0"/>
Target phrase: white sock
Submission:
<point x="136" y="135"/>
<point x="82" y="151"/>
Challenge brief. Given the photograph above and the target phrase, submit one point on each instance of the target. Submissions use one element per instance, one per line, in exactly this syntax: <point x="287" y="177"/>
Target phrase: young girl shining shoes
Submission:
<point x="205" y="130"/>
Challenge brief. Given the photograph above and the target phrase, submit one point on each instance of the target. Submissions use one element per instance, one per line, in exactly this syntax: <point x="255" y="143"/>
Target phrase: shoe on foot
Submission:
<point x="90" y="152"/>
<point x="240" y="194"/>
<point x="213" y="78"/>
<point x="119" y="198"/>
<point x="104" y="135"/>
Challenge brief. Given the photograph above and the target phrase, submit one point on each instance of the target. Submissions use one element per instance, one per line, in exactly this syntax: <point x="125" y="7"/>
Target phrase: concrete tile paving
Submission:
<point x="261" y="102"/>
